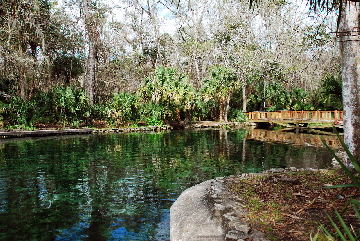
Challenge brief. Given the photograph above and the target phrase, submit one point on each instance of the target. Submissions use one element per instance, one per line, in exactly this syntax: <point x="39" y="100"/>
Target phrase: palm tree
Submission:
<point x="348" y="33"/>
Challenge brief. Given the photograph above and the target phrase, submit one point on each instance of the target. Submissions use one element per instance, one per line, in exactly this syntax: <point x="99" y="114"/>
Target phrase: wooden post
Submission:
<point x="335" y="115"/>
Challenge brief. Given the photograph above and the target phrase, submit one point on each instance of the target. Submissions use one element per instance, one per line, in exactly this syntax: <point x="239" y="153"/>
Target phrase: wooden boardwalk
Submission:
<point x="299" y="117"/>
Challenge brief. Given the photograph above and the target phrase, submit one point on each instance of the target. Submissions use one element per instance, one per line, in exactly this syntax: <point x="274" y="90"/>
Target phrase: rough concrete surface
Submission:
<point x="208" y="211"/>
<point x="41" y="133"/>
<point x="190" y="217"/>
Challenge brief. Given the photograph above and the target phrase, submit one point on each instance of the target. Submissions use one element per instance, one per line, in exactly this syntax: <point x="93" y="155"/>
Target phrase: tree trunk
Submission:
<point x="350" y="62"/>
<point x="244" y="99"/>
<point x="90" y="74"/>
<point x="90" y="70"/>
<point x="22" y="75"/>
<point x="227" y="106"/>
<point x="223" y="108"/>
<point x="23" y="84"/>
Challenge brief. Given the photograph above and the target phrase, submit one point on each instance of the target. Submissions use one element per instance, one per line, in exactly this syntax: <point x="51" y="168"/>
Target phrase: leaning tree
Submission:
<point x="348" y="32"/>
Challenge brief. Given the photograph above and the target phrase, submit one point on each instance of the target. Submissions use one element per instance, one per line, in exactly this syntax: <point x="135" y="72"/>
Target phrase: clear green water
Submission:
<point x="121" y="186"/>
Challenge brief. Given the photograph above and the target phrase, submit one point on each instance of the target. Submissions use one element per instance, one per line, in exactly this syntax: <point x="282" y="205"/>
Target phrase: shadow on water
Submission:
<point x="121" y="186"/>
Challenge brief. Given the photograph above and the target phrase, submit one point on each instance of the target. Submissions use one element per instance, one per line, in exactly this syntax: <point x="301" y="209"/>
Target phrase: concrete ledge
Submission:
<point x="218" y="125"/>
<point x="56" y="132"/>
<point x="209" y="212"/>
<point x="40" y="133"/>
<point x="191" y="218"/>
<point x="18" y="133"/>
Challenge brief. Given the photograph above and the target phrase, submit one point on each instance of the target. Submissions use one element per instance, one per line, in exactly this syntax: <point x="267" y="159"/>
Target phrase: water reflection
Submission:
<point x="121" y="186"/>
<point x="298" y="139"/>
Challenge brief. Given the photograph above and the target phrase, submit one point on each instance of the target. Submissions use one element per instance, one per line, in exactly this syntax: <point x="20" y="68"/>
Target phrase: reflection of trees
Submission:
<point x="41" y="188"/>
<point x="117" y="185"/>
<point x="223" y="144"/>
<point x="266" y="155"/>
<point x="70" y="187"/>
<point x="99" y="188"/>
<point x="189" y="157"/>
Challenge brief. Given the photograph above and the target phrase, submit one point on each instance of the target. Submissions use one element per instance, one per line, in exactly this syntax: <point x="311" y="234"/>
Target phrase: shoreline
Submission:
<point x="210" y="205"/>
<point x="42" y="132"/>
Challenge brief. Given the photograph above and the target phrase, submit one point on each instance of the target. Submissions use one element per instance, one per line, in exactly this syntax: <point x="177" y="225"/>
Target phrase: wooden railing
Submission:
<point x="335" y="116"/>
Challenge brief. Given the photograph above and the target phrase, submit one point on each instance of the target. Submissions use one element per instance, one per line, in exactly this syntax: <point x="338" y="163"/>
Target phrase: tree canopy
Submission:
<point x="181" y="59"/>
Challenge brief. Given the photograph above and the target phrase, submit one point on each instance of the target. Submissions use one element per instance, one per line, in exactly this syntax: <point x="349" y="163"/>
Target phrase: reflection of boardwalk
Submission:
<point x="326" y="117"/>
<point x="300" y="139"/>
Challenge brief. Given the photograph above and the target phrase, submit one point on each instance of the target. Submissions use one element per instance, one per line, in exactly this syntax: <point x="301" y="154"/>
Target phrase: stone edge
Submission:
<point x="229" y="209"/>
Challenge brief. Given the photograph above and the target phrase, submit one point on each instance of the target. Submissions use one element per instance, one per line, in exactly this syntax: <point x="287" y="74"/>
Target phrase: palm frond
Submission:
<point x="348" y="172"/>
<point x="338" y="231"/>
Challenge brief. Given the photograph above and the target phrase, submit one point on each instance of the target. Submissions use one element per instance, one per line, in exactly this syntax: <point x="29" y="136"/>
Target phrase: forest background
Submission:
<point x="81" y="62"/>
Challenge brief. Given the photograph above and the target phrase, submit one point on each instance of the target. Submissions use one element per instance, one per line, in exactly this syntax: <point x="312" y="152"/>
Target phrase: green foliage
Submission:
<point x="354" y="163"/>
<point x="321" y="235"/>
<point x="300" y="99"/>
<point x="221" y="82"/>
<point x="67" y="67"/>
<point x="123" y="107"/>
<point x="237" y="115"/>
<point x="167" y="96"/>
<point x="274" y="95"/>
<point x="329" y="96"/>
<point x="205" y="110"/>
<point x="16" y="112"/>
<point x="153" y="121"/>
<point x="152" y="113"/>
<point x="62" y="105"/>
<point x="100" y="111"/>
<point x="345" y="231"/>
<point x="277" y="96"/>
<point x="269" y="96"/>
<point x="220" y="85"/>
<point x="255" y="89"/>
<point x="169" y="89"/>
<point x="267" y="89"/>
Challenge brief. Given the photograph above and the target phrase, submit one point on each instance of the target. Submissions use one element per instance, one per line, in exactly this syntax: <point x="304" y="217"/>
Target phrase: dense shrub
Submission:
<point x="237" y="115"/>
<point x="122" y="108"/>
<point x="153" y="113"/>
<point x="168" y="96"/>
<point x="16" y="112"/>
<point x="205" y="109"/>
<point x="219" y="86"/>
<point x="60" y="105"/>
<point x="301" y="99"/>
<point x="67" y="67"/>
<point x="329" y="96"/>
<point x="169" y="90"/>
<point x="269" y="96"/>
